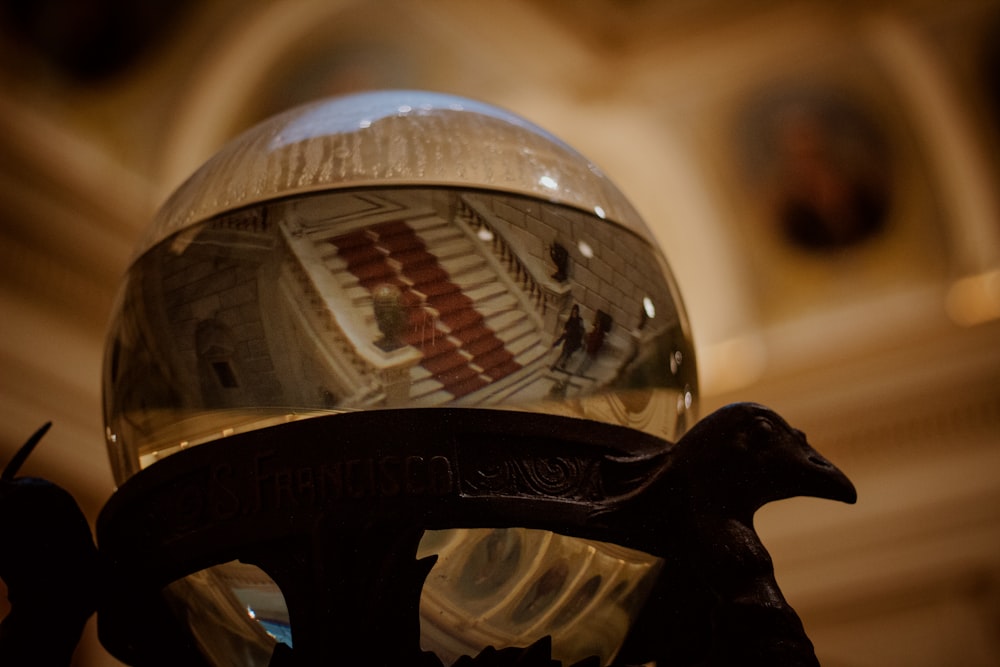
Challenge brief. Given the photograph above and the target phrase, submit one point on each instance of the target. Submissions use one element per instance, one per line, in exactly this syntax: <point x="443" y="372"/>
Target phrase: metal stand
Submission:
<point x="333" y="509"/>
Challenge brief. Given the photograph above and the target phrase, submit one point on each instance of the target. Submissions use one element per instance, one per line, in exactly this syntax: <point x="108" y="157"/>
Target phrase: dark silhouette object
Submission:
<point x="538" y="654"/>
<point x="560" y="257"/>
<point x="49" y="563"/>
<point x="643" y="318"/>
<point x="595" y="339"/>
<point x="716" y="602"/>
<point x="827" y="202"/>
<point x="571" y="338"/>
<point x="824" y="162"/>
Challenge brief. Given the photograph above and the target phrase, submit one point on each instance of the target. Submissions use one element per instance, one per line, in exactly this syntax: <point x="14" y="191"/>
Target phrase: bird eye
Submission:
<point x="765" y="424"/>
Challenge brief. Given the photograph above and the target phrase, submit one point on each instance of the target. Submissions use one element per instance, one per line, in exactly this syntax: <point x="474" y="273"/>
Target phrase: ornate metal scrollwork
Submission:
<point x="566" y="477"/>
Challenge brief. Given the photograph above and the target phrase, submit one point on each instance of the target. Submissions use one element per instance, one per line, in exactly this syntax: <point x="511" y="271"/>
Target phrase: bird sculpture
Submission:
<point x="717" y="601"/>
<point x="48" y="562"/>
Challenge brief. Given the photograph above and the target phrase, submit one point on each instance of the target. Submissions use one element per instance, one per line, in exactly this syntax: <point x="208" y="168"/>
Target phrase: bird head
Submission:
<point x="750" y="456"/>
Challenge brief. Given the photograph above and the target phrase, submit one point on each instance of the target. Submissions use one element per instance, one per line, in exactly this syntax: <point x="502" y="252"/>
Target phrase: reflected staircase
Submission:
<point x="470" y="330"/>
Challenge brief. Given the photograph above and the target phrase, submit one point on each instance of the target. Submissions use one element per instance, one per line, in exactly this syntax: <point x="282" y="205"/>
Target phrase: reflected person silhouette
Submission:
<point x="571" y="338"/>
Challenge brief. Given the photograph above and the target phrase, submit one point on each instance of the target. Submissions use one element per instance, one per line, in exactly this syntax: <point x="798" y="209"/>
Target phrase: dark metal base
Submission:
<point x="333" y="508"/>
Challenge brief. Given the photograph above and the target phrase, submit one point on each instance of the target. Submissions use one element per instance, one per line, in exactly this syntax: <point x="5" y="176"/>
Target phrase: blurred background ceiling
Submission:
<point x="822" y="177"/>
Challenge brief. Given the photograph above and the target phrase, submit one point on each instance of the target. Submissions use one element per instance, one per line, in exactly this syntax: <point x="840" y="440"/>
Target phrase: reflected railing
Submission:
<point x="480" y="226"/>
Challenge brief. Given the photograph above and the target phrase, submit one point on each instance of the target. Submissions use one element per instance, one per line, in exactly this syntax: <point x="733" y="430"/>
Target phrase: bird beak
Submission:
<point x="822" y="479"/>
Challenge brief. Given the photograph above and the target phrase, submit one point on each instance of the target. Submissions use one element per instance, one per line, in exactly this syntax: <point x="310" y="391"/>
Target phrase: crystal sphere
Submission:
<point x="391" y="250"/>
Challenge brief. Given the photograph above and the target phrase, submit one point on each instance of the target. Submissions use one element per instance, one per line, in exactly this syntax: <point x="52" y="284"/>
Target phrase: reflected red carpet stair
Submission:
<point x="367" y="255"/>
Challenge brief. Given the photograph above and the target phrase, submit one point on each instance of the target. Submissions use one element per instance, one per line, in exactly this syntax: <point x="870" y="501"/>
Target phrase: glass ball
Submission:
<point x="392" y="250"/>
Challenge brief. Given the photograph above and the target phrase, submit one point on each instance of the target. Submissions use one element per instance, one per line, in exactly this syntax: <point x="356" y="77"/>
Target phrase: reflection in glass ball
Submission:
<point x="395" y="250"/>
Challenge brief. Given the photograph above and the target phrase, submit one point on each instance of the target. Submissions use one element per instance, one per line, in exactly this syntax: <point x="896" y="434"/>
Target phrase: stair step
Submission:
<point x="456" y="375"/>
<point x="441" y="364"/>
<point x="459" y="265"/>
<point x="474" y="278"/>
<point x="360" y="254"/>
<point x="483" y="344"/>
<point x="386" y="230"/>
<point x="502" y="322"/>
<point x="351" y="240"/>
<point x="374" y="272"/>
<point x="462" y="319"/>
<point x="513" y="334"/>
<point x="519" y="345"/>
<point x="449" y="302"/>
<point x="359" y="296"/>
<point x="504" y="369"/>
<point x="500" y="303"/>
<point x="334" y="263"/>
<point x="425" y="225"/>
<point x="440" y="288"/>
<point x="402" y="243"/>
<point x="466" y="387"/>
<point x="496" y="359"/>
<point x="525" y="384"/>
<point x="414" y="259"/>
<point x="427" y="275"/>
<point x="486" y="291"/>
<point x="423" y="388"/>
<point x="460" y="247"/>
<point x="419" y="374"/>
<point x="529" y="354"/>
<point x="431" y="343"/>
<point x="470" y="335"/>
<point x="435" y="398"/>
<point x="442" y="233"/>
